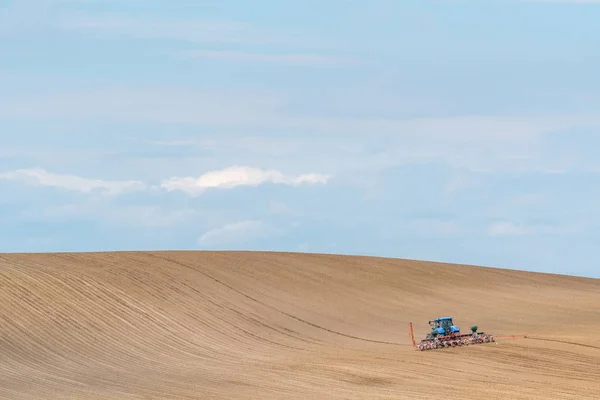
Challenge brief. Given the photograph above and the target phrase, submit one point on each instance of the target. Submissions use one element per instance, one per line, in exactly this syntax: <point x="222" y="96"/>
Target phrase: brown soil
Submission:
<point x="253" y="325"/>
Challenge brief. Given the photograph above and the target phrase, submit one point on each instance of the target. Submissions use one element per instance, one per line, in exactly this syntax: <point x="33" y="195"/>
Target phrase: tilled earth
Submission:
<point x="254" y="325"/>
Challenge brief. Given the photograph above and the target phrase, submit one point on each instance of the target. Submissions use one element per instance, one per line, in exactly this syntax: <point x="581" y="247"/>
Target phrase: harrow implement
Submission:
<point x="445" y="334"/>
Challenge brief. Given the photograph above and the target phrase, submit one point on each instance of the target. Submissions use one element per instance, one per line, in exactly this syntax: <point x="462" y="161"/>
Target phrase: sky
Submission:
<point x="443" y="130"/>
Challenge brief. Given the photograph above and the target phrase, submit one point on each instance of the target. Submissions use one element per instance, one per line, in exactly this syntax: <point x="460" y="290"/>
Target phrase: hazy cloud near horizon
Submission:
<point x="429" y="130"/>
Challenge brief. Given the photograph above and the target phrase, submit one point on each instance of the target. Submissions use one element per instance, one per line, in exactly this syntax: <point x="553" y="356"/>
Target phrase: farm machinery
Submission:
<point x="445" y="334"/>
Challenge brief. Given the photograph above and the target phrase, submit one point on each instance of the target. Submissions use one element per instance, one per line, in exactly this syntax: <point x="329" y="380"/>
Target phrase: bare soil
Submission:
<point x="259" y="325"/>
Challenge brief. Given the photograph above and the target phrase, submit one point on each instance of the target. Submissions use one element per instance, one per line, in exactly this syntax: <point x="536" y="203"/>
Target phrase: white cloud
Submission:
<point x="39" y="176"/>
<point x="237" y="232"/>
<point x="239" y="176"/>
<point x="225" y="179"/>
<point x="243" y="232"/>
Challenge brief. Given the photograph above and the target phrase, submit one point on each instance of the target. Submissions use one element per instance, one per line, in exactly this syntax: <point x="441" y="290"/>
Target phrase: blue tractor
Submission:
<point x="445" y="334"/>
<point x="442" y="327"/>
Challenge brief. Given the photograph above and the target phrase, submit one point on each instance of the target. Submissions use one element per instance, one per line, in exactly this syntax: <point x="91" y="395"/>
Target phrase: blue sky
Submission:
<point x="459" y="131"/>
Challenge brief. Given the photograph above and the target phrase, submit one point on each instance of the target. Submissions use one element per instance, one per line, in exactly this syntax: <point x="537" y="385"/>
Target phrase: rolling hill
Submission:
<point x="261" y="325"/>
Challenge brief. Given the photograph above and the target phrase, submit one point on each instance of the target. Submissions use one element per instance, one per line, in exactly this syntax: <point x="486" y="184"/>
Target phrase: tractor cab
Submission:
<point x="443" y="327"/>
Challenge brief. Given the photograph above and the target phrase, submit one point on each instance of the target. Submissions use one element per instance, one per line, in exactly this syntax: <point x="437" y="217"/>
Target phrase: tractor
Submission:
<point x="445" y="334"/>
<point x="442" y="327"/>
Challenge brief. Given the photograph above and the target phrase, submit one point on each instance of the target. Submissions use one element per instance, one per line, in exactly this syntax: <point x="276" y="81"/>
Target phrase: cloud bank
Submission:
<point x="227" y="178"/>
<point x="39" y="176"/>
<point x="235" y="176"/>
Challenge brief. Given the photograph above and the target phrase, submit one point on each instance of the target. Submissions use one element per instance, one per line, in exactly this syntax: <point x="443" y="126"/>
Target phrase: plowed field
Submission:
<point x="253" y="325"/>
